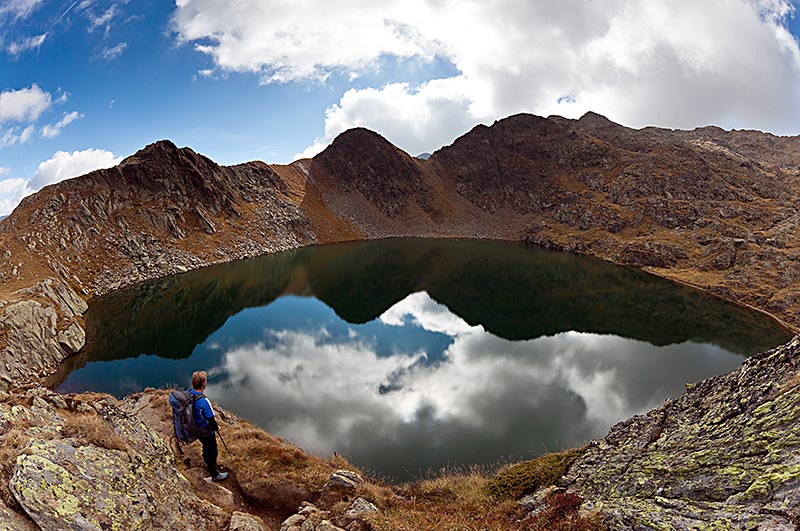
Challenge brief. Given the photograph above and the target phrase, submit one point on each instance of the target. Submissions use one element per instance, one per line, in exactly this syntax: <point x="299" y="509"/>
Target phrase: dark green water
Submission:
<point x="410" y="355"/>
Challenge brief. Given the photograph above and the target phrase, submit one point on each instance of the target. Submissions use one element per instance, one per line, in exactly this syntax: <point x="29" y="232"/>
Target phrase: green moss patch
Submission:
<point x="514" y="481"/>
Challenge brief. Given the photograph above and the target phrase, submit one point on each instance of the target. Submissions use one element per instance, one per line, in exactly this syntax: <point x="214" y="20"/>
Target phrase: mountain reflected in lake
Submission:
<point x="410" y="355"/>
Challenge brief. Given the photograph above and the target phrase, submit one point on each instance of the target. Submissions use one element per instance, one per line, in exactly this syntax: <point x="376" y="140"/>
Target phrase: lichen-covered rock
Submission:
<point x="726" y="452"/>
<point x="12" y="521"/>
<point x="132" y="484"/>
<point x="535" y="503"/>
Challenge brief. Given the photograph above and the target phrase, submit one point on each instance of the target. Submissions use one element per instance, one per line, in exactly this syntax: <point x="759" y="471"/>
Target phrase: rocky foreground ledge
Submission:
<point x="725" y="455"/>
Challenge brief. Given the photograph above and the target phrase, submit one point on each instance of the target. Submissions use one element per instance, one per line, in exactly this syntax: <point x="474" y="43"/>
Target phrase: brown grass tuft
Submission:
<point x="561" y="514"/>
<point x="11" y="446"/>
<point x="92" y="429"/>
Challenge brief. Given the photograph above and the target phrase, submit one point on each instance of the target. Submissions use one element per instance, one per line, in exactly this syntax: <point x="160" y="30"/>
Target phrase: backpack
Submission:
<point x="182" y="403"/>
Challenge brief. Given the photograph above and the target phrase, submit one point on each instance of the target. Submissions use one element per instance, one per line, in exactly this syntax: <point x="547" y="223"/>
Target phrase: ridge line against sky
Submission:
<point x="87" y="82"/>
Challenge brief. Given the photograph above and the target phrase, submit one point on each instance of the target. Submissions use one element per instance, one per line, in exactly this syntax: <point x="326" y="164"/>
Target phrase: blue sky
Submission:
<point x="85" y="83"/>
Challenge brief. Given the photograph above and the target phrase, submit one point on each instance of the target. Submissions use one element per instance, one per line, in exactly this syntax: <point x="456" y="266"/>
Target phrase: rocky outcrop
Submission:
<point x="41" y="327"/>
<point x="87" y="464"/>
<point x="244" y="522"/>
<point x="723" y="455"/>
<point x="91" y="462"/>
<point x="361" y="160"/>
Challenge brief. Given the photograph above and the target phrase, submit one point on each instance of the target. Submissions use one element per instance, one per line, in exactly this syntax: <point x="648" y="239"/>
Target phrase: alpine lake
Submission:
<point x="413" y="355"/>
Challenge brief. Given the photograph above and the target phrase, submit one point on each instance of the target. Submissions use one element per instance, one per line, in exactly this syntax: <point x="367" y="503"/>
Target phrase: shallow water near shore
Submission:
<point x="412" y="355"/>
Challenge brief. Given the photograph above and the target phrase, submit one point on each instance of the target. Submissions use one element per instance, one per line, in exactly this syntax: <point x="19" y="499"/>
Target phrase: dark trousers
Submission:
<point x="210" y="453"/>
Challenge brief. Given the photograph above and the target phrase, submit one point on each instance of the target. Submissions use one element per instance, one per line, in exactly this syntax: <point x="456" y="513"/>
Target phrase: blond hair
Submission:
<point x="198" y="380"/>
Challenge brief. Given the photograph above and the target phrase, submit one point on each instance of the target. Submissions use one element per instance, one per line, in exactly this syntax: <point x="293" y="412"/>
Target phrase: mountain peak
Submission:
<point x="594" y="119"/>
<point x="365" y="161"/>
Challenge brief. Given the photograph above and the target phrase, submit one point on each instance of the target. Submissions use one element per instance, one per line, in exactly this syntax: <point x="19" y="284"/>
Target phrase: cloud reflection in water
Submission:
<point x="482" y="397"/>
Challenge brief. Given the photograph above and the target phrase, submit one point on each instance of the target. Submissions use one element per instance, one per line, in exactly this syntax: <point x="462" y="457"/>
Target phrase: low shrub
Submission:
<point x="515" y="481"/>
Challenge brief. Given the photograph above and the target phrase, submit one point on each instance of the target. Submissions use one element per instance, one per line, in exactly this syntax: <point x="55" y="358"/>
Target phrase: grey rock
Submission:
<point x="326" y="525"/>
<point x="244" y="522"/>
<point x="344" y="479"/>
<point x="296" y="520"/>
<point x="361" y="507"/>
<point x="534" y="503"/>
<point x="205" y="222"/>
<point x="72" y="339"/>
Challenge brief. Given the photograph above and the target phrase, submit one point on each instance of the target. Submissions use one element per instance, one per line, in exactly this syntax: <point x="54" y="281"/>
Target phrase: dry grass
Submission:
<point x="273" y="477"/>
<point x="459" y="501"/>
<point x="270" y="473"/>
<point x="92" y="429"/>
<point x="453" y="502"/>
<point x="11" y="446"/>
<point x="561" y="514"/>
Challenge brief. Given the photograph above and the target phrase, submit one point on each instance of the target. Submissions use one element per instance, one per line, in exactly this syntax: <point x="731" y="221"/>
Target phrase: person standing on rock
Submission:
<point x="206" y="424"/>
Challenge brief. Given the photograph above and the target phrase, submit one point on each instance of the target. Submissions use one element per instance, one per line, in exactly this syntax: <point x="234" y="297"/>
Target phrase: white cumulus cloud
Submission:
<point x="53" y="130"/>
<point x="62" y="165"/>
<point x="9" y="185"/>
<point x="672" y="63"/>
<point x="11" y="136"/>
<point x="65" y="165"/>
<point x="23" y="104"/>
<point x="418" y="119"/>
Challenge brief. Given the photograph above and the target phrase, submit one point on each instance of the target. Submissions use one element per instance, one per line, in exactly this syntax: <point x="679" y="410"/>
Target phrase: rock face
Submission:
<point x="41" y="327"/>
<point x="723" y="455"/>
<point x="124" y="479"/>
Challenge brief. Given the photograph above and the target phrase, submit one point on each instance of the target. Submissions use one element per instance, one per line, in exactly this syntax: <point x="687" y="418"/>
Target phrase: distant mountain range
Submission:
<point x="706" y="207"/>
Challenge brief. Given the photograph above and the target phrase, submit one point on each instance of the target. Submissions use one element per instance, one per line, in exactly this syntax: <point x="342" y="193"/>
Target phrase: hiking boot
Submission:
<point x="220" y="476"/>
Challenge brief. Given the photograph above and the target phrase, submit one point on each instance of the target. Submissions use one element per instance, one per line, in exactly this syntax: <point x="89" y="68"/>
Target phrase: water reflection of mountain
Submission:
<point x="515" y="292"/>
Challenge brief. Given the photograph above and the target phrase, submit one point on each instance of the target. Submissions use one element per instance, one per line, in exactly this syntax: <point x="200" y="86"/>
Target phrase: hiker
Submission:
<point x="206" y="424"/>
